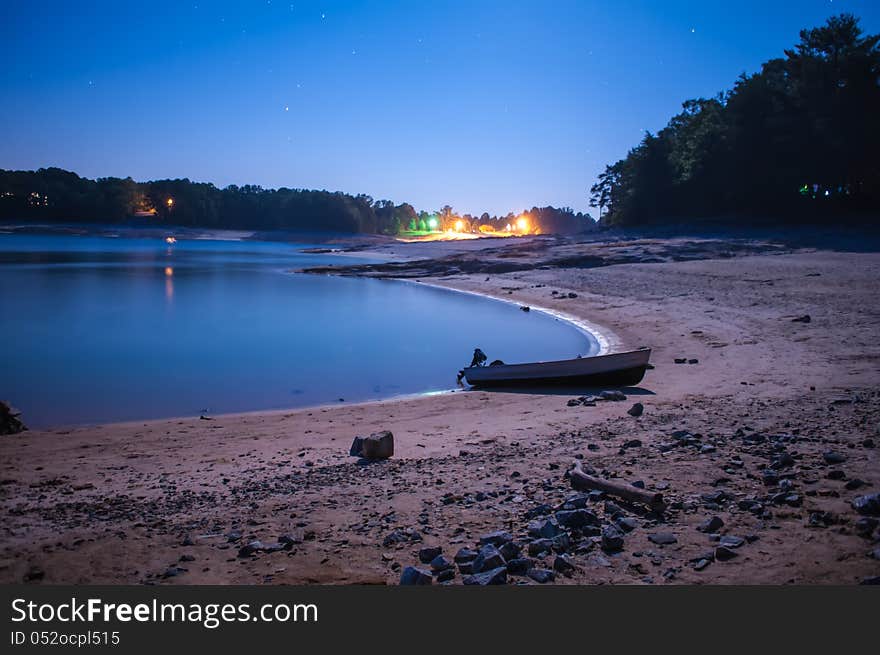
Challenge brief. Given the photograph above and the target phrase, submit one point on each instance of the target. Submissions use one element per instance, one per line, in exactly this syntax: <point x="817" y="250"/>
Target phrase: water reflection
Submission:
<point x="237" y="332"/>
<point x="169" y="284"/>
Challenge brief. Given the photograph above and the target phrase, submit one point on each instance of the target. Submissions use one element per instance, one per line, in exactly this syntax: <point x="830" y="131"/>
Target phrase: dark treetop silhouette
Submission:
<point x="53" y="194"/>
<point x="800" y="139"/>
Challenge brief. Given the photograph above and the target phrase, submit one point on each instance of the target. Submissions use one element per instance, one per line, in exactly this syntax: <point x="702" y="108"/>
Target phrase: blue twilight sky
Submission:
<point x="485" y="105"/>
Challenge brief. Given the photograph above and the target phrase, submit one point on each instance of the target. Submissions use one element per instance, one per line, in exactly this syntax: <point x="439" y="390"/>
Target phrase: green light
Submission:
<point x="432" y="223"/>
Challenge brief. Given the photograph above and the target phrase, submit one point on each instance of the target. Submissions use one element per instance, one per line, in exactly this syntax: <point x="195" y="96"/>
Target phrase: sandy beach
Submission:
<point x="773" y="430"/>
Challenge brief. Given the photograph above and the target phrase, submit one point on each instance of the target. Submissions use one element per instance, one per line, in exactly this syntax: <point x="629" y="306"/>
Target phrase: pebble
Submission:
<point x="497" y="538"/>
<point x="576" y="518"/>
<point x="663" y="538"/>
<point x="731" y="541"/>
<point x="636" y="410"/>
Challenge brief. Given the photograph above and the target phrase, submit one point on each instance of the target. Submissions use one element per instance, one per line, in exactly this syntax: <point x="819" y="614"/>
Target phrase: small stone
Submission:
<point x="445" y="575"/>
<point x="711" y="525"/>
<point x="496" y="539"/>
<point x="613" y="394"/>
<point x="832" y="457"/>
<point x="440" y="563"/>
<point x="868" y="505"/>
<point x="577" y="518"/>
<point x="465" y="555"/>
<point x="519" y="566"/>
<point x="663" y="538"/>
<point x="563" y="565"/>
<point x="626" y="523"/>
<point x="731" y="541"/>
<point x="428" y="553"/>
<point x="539" y="546"/>
<point x="636" y="410"/>
<point x="356" y="447"/>
<point x="510" y="550"/>
<point x="724" y="554"/>
<point x="414" y="576"/>
<point x="865" y="526"/>
<point x="612" y="539"/>
<point x="396" y="537"/>
<point x="494" y="576"/>
<point x="541" y="576"/>
<point x="251" y="548"/>
<point x="544" y="528"/>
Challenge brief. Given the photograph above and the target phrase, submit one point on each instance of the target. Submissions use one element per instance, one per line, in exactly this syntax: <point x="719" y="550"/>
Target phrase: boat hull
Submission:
<point x="621" y="369"/>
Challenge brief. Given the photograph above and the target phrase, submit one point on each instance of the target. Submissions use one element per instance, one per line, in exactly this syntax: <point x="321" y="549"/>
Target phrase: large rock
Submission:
<point x="379" y="445"/>
<point x="488" y="558"/>
<point x="612" y="539"/>
<point x="414" y="576"/>
<point x="576" y="518"/>
<point x="490" y="577"/>
<point x="10" y="423"/>
<point x="869" y="504"/>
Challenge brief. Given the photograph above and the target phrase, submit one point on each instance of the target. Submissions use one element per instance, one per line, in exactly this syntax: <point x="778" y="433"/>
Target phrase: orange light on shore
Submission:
<point x="169" y="202"/>
<point x="170" y="240"/>
<point x="169" y="272"/>
<point x="522" y="224"/>
<point x="459" y="226"/>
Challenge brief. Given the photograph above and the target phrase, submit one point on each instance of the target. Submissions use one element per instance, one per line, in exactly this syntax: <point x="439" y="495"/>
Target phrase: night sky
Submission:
<point x="487" y="106"/>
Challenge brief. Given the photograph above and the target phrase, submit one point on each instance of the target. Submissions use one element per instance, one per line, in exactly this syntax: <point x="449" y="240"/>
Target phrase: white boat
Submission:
<point x="619" y="369"/>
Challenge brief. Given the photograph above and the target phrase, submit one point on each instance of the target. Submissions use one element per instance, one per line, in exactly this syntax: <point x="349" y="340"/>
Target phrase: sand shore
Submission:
<point x="173" y="501"/>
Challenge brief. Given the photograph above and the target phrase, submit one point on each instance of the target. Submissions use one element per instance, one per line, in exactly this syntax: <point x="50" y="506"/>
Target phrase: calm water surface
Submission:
<point x="102" y="329"/>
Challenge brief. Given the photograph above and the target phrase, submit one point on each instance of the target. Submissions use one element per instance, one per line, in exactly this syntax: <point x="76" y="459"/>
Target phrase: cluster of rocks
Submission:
<point x="590" y="401"/>
<point x="10" y="419"/>
<point x="687" y="439"/>
<point x="548" y="546"/>
<point x="686" y="360"/>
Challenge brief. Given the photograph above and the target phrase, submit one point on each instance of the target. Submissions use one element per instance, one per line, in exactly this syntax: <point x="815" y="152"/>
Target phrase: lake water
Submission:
<point x="98" y="329"/>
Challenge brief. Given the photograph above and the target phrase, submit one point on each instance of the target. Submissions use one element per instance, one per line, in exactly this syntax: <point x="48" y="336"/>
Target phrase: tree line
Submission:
<point x="797" y="141"/>
<point x="53" y="194"/>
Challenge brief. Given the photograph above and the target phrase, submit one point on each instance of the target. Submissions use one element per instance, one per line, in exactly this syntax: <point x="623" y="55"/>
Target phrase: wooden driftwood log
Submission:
<point x="585" y="482"/>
